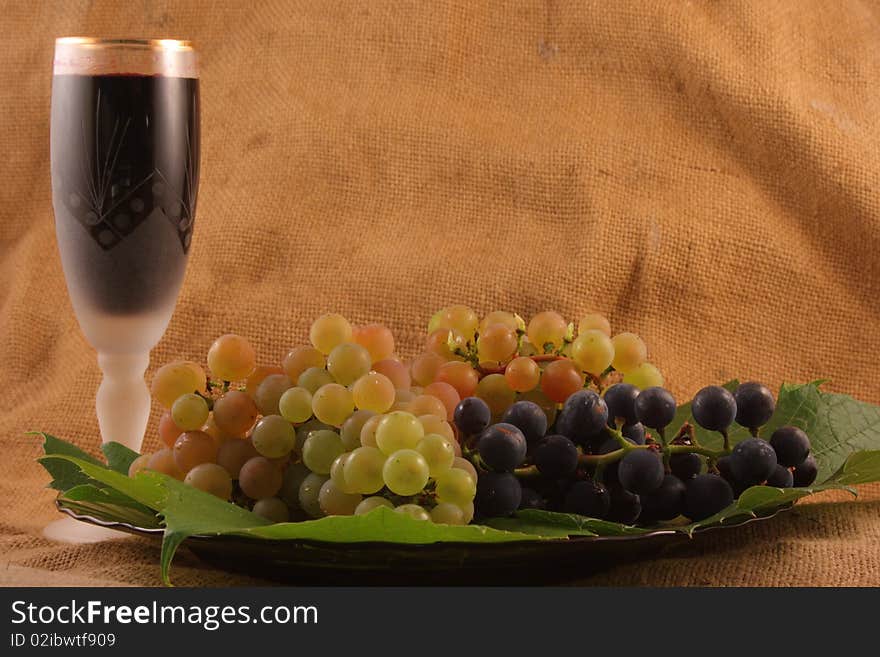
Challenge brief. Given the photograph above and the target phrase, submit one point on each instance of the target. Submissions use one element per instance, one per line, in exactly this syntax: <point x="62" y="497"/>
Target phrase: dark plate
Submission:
<point x="296" y="561"/>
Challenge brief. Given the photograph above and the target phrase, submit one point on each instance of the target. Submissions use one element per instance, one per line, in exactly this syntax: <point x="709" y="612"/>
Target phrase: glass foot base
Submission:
<point x="68" y="530"/>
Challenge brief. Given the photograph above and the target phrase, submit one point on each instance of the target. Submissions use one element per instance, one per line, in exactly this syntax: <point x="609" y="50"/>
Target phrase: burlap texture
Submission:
<point x="705" y="173"/>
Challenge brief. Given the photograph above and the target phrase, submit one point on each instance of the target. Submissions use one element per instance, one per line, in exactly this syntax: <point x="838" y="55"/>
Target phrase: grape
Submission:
<point x="398" y="430"/>
<point x="446" y="394"/>
<point x="665" y="502"/>
<point x="373" y="392"/>
<point x="433" y="424"/>
<point x="293" y="477"/>
<point x="233" y="454"/>
<point x="497" y="344"/>
<point x="439" y="341"/>
<point x="468" y="510"/>
<point x="192" y="448"/>
<point x="313" y="378"/>
<point x="337" y="473"/>
<point x="424" y="368"/>
<point x="447" y="514"/>
<point x="588" y="498"/>
<point x="805" y="473"/>
<point x="427" y="405"/>
<point x="175" y="379"/>
<point x="641" y="471"/>
<point x="168" y="431"/>
<point x="320" y="450"/>
<point x="621" y="401"/>
<point x="396" y="371"/>
<point x="723" y="465"/>
<point x="629" y="352"/>
<point x="363" y="470"/>
<point x="304" y="430"/>
<point x="634" y="432"/>
<point x="685" y="466"/>
<point x="438" y="452"/>
<point x="328" y="331"/>
<point x="644" y="376"/>
<point x="531" y="499"/>
<point x="368" y="431"/>
<point x="210" y="478"/>
<point x="705" y="495"/>
<point x="333" y="404"/>
<point x="231" y="358"/>
<point x="413" y="511"/>
<point x="655" y="407"/>
<point x="259" y="477"/>
<point x="405" y="472"/>
<point x="163" y="461"/>
<point x="370" y="503"/>
<point x="547" y="405"/>
<point x="377" y="339"/>
<point x="584" y="416"/>
<point x="502" y="447"/>
<point x="594" y="321"/>
<point x="609" y="474"/>
<point x="493" y="390"/>
<point x="295" y="405"/>
<point x="273" y="436"/>
<point x="309" y="490"/>
<point x="529" y="418"/>
<point x="624" y="507"/>
<point x="472" y="415"/>
<point x="522" y="374"/>
<point x="556" y="457"/>
<point x="461" y="318"/>
<point x="791" y="446"/>
<point x="498" y="317"/>
<point x="714" y="408"/>
<point x="459" y="375"/>
<point x="560" y="380"/>
<point x="140" y="463"/>
<point x="235" y="412"/>
<point x="259" y="375"/>
<point x="547" y="331"/>
<point x="335" y="501"/>
<point x="752" y="461"/>
<point x="781" y="478"/>
<point x="348" y="362"/>
<point x="301" y="359"/>
<point x="268" y="394"/>
<point x="460" y="463"/>
<point x="497" y="494"/>
<point x="754" y="404"/>
<point x="271" y="508"/>
<point x="350" y="433"/>
<point x="592" y="351"/>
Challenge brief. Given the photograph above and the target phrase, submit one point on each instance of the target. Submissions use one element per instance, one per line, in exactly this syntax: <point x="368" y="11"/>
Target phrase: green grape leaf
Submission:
<point x="108" y="505"/>
<point x="547" y="523"/>
<point x="119" y="457"/>
<point x="65" y="475"/>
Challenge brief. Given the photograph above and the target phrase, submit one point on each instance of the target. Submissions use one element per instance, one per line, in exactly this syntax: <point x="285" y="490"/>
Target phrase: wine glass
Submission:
<point x="125" y="176"/>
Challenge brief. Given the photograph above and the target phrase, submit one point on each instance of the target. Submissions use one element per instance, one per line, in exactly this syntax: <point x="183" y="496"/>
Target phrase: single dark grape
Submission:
<point x="791" y="446"/>
<point x="805" y="473"/>
<point x="754" y="404"/>
<point x="714" y="408"/>
<point x="472" y="415"/>
<point x="705" y="495"/>
<point x="634" y="432"/>
<point x="529" y="418"/>
<point x="498" y="494"/>
<point x="664" y="503"/>
<point x="582" y="417"/>
<point x="502" y="447"/>
<point x="781" y="477"/>
<point x="556" y="457"/>
<point x="621" y="401"/>
<point x="625" y="507"/>
<point x="685" y="466"/>
<point x="640" y="471"/>
<point x="752" y="461"/>
<point x="531" y="499"/>
<point x="588" y="498"/>
<point x="655" y="407"/>
<point x="723" y="465"/>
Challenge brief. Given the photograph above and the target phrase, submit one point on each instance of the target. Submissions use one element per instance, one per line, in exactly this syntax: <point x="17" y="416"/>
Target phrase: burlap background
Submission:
<point x="703" y="172"/>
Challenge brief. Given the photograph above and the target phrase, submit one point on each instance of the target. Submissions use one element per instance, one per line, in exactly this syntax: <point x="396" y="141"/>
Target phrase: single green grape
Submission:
<point x="592" y="321"/>
<point x="438" y="452"/>
<point x="309" y="490"/>
<point x="368" y="431"/>
<point x="333" y="404"/>
<point x="629" y="352"/>
<point x="592" y="351"/>
<point x="336" y="502"/>
<point x="303" y="431"/>
<point x="348" y="362"/>
<point x="413" y="511"/>
<point x="373" y="392"/>
<point x="398" y="430"/>
<point x="211" y="478"/>
<point x="175" y="379"/>
<point x="644" y="376"/>
<point x="456" y="487"/>
<point x="447" y="514"/>
<point x="231" y="358"/>
<point x="463" y="464"/>
<point x="273" y="437"/>
<point x="295" y="405"/>
<point x="337" y="473"/>
<point x="363" y="470"/>
<point x="271" y="508"/>
<point x="190" y="412"/>
<point x="268" y="393"/>
<point x="350" y="433"/>
<point x="320" y="450"/>
<point x="370" y="503"/>
<point x="313" y="378"/>
<point x="406" y="472"/>
<point x="328" y="331"/>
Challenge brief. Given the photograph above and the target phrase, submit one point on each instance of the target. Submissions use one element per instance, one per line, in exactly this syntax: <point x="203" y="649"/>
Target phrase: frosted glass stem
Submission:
<point x="123" y="399"/>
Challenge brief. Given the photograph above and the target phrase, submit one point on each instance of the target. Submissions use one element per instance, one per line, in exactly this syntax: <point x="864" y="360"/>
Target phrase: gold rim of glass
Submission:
<point x="152" y="44"/>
